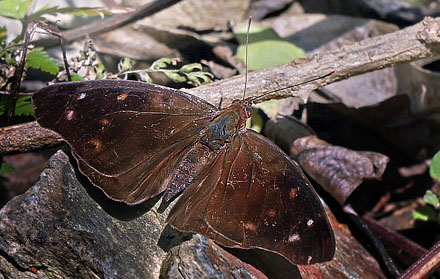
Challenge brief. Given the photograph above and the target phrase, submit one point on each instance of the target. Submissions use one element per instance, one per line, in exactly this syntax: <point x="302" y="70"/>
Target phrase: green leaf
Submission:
<point x="266" y="48"/>
<point x="5" y="168"/>
<point x="431" y="198"/>
<point x="174" y="76"/>
<point x="191" y="73"/>
<point x="3" y="105"/>
<point x="256" y="122"/>
<point x="191" y="68"/>
<point x="24" y="106"/>
<point x="14" y="8"/>
<point x="194" y="80"/>
<point x="163" y="63"/>
<point x="39" y="59"/>
<point x="3" y="33"/>
<point x="125" y="64"/>
<point x="92" y="11"/>
<point x="82" y="11"/>
<point x="434" y="169"/>
<point x="76" y="77"/>
<point x="100" y="71"/>
<point x="10" y="59"/>
<point x="271" y="108"/>
<point x="424" y="213"/>
<point x="197" y="78"/>
<point x="417" y="3"/>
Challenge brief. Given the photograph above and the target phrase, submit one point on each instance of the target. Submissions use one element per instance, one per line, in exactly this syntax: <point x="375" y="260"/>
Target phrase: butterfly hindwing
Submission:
<point x="261" y="199"/>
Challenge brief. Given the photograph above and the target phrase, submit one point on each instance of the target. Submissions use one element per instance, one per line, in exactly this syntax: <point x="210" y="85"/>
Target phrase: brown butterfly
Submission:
<point x="136" y="140"/>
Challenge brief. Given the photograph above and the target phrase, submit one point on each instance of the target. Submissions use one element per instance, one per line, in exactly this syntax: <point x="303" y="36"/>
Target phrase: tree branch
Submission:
<point x="412" y="43"/>
<point x="110" y="23"/>
<point x="26" y="137"/>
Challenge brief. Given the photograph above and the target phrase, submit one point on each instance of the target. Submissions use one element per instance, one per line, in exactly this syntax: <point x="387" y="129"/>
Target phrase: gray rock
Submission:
<point x="58" y="230"/>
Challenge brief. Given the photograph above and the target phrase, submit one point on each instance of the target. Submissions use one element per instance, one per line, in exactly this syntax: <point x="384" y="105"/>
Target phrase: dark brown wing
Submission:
<point x="260" y="199"/>
<point x="122" y="131"/>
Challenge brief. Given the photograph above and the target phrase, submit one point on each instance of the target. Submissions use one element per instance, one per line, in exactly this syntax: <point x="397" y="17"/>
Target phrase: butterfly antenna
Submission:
<point x="246" y="57"/>
<point x="290" y="86"/>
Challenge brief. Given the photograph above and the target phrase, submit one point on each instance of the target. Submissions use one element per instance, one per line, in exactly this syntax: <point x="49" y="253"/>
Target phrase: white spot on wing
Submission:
<point x="309" y="259"/>
<point x="258" y="156"/>
<point x="250" y="226"/>
<point x="95" y="145"/>
<point x="81" y="96"/>
<point x="294" y="237"/>
<point x="310" y="222"/>
<point x="272" y="213"/>
<point x="293" y="192"/>
<point x="122" y="97"/>
<point x="69" y="114"/>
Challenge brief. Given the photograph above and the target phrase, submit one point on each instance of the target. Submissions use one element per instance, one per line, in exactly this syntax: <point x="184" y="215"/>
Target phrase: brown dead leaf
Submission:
<point x="339" y="170"/>
<point x="219" y="71"/>
<point x="200" y="15"/>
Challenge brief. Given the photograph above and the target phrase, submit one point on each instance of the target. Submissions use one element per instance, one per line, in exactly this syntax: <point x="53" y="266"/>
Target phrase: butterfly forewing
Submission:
<point x="121" y="130"/>
<point x="261" y="200"/>
<point x="144" y="180"/>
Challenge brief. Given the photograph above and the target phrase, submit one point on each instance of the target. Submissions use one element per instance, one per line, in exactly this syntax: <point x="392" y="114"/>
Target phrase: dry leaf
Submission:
<point x="339" y="170"/>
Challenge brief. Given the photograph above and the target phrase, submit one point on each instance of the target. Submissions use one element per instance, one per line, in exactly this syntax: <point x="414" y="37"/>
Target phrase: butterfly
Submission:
<point x="135" y="140"/>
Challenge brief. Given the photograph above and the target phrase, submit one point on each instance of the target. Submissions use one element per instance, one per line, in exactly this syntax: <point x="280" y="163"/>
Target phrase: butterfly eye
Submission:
<point x="248" y="111"/>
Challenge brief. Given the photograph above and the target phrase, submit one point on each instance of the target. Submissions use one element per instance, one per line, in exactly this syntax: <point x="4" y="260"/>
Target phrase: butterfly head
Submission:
<point x="244" y="105"/>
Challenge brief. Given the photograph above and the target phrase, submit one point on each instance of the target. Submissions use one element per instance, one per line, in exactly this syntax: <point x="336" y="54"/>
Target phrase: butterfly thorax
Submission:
<point x="219" y="133"/>
<point x="228" y="123"/>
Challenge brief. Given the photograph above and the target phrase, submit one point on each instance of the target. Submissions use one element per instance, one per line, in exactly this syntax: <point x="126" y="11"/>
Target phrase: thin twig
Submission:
<point x="425" y="265"/>
<point x="55" y="31"/>
<point x="391" y="267"/>
<point x="30" y="30"/>
<point x="394" y="238"/>
<point x="111" y="23"/>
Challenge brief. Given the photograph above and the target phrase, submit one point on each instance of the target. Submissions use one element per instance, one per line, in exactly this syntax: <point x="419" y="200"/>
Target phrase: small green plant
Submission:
<point x="434" y="169"/>
<point x="431" y="211"/>
<point x="21" y="10"/>
<point x="11" y="48"/>
<point x="189" y="73"/>
<point x="39" y="59"/>
<point x="22" y="108"/>
<point x="83" y="67"/>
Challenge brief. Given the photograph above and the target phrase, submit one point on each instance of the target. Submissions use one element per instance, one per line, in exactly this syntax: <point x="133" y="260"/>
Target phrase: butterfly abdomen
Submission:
<point x="189" y="169"/>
